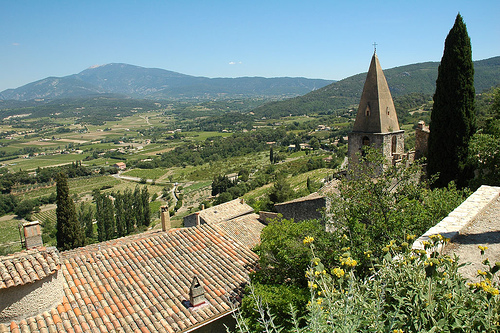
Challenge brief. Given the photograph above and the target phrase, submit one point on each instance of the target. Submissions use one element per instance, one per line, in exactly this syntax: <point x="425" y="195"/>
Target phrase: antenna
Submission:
<point x="375" y="47"/>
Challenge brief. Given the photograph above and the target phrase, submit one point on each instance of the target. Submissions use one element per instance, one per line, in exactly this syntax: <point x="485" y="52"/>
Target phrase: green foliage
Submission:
<point x="372" y="211"/>
<point x="281" y="190"/>
<point x="453" y="116"/>
<point x="283" y="258"/>
<point x="85" y="217"/>
<point x="484" y="150"/>
<point x="407" y="291"/>
<point x="69" y="231"/>
<point x="278" y="299"/>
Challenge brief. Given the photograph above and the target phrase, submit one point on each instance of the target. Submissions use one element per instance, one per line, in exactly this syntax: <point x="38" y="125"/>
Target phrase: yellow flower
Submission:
<point x="410" y="237"/>
<point x="480" y="272"/>
<point x="316" y="261"/>
<point x="349" y="262"/>
<point x="308" y="239"/>
<point x="397" y="331"/>
<point x="482" y="248"/>
<point x="449" y="295"/>
<point x="339" y="272"/>
<point x="319" y="301"/>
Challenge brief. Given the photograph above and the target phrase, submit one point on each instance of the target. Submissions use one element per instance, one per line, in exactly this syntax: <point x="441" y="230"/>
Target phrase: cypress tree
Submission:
<point x="69" y="232"/>
<point x="145" y="206"/>
<point x="138" y="207"/>
<point x="99" y="214"/>
<point x="128" y="210"/>
<point x="109" y="217"/>
<point x="453" y="116"/>
<point x="121" y="227"/>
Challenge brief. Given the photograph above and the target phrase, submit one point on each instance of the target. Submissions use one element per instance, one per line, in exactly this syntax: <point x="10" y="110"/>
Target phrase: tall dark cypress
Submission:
<point x="69" y="232"/>
<point x="453" y="116"/>
<point x="146" y="211"/>
<point x="121" y="228"/>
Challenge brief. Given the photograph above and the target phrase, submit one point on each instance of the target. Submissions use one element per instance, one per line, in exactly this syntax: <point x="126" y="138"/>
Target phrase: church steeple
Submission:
<point x="376" y="112"/>
<point x="376" y="122"/>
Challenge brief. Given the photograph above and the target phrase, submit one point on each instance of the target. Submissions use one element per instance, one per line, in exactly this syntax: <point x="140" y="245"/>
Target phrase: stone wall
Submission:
<point x="421" y="140"/>
<point x="382" y="141"/>
<point x="31" y="299"/>
<point x="302" y="209"/>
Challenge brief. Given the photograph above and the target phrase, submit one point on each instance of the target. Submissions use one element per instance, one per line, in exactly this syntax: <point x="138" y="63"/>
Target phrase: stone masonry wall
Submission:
<point x="302" y="210"/>
<point x="31" y="299"/>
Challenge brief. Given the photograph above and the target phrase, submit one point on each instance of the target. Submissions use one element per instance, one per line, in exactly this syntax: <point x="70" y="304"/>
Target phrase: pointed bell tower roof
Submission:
<point x="376" y="112"/>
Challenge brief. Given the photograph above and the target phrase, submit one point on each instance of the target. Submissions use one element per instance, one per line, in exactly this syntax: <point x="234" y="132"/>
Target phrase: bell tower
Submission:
<point x="376" y="122"/>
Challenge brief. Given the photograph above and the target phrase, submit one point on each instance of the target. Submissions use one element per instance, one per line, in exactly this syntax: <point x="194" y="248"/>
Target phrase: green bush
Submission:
<point x="407" y="291"/>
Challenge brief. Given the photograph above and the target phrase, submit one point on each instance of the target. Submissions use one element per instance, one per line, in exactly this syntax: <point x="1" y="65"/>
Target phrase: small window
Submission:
<point x="394" y="144"/>
<point x="367" y="111"/>
<point x="387" y="110"/>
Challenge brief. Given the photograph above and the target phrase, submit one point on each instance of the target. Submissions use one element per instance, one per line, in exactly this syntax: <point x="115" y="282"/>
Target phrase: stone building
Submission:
<point x="376" y="122"/>
<point x="219" y="213"/>
<point x="421" y="140"/>
<point x="182" y="280"/>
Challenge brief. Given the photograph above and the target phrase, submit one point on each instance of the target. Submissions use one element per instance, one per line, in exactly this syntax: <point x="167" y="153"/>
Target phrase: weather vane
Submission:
<point x="374" y="47"/>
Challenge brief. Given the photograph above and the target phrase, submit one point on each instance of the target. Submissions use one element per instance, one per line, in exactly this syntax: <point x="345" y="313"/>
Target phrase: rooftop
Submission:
<point x="139" y="283"/>
<point x="224" y="212"/>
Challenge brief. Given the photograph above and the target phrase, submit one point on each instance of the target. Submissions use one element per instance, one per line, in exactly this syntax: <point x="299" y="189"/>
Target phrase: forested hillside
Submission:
<point x="415" y="78"/>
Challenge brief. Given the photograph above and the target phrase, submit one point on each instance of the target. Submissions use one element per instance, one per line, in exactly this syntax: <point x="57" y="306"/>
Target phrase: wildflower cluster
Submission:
<point x="435" y="295"/>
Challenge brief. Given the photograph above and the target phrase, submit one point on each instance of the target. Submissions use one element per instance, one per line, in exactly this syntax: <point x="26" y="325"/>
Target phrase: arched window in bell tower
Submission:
<point x="366" y="141"/>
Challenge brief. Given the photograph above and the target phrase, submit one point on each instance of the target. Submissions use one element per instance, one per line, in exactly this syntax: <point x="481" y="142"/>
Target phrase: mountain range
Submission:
<point x="153" y="83"/>
<point x="403" y="80"/>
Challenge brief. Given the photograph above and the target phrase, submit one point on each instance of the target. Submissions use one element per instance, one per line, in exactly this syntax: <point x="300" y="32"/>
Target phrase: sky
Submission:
<point x="326" y="39"/>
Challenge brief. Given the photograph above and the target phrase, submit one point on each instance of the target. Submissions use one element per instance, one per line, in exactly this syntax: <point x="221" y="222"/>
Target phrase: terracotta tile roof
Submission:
<point x="246" y="229"/>
<point x="225" y="211"/>
<point x="137" y="283"/>
<point x="28" y="266"/>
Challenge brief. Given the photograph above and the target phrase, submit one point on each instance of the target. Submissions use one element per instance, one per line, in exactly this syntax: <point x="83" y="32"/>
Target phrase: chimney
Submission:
<point x="196" y="292"/>
<point x="32" y="234"/>
<point x="165" y="218"/>
<point x="202" y="206"/>
<point x="197" y="214"/>
<point x="242" y="201"/>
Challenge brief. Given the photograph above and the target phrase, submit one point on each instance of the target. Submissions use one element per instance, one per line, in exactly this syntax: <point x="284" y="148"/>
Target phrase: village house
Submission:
<point x="120" y="165"/>
<point x="180" y="280"/>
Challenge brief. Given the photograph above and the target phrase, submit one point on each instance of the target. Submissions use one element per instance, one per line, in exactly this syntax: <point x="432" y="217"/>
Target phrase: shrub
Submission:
<point x="407" y="291"/>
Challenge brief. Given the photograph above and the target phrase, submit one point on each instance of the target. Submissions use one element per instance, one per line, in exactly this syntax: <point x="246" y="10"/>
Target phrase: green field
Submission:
<point x="146" y="173"/>
<point x="43" y="161"/>
<point x="9" y="236"/>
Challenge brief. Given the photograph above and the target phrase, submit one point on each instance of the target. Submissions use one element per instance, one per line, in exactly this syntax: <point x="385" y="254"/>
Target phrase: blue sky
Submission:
<point x="315" y="39"/>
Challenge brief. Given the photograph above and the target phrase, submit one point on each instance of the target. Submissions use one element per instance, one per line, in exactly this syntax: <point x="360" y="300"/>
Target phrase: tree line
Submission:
<point x="115" y="215"/>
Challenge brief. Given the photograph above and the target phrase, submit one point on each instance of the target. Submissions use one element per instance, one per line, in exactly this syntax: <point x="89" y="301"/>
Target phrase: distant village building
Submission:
<point x="120" y="165"/>
<point x="376" y="122"/>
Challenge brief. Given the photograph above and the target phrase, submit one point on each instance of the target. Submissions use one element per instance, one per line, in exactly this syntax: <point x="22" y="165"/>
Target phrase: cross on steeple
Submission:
<point x="375" y="47"/>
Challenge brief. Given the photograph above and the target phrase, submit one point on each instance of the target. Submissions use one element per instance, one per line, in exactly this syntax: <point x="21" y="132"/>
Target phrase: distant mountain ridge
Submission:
<point x="154" y="83"/>
<point x="403" y="80"/>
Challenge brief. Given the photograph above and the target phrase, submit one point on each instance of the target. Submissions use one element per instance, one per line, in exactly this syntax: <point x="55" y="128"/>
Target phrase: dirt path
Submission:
<point x="485" y="231"/>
